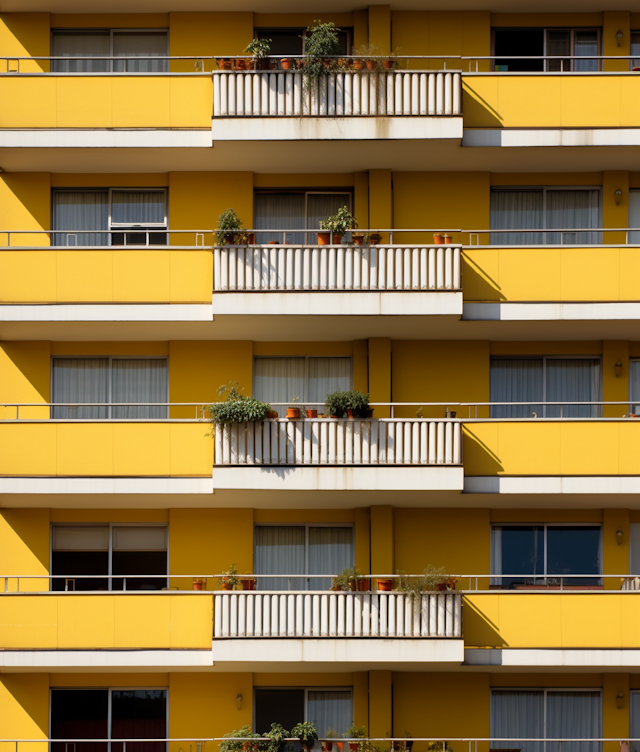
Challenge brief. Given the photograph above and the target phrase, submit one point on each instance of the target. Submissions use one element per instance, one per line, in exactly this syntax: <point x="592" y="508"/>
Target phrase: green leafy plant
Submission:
<point x="356" y="732"/>
<point x="439" y="747"/>
<point x="358" y="402"/>
<point x="259" y="48"/>
<point x="340" y="223"/>
<point x="237" y="407"/>
<point x="230" y="578"/>
<point x="236" y="746"/>
<point x="430" y="579"/>
<point x="277" y="737"/>
<point x="307" y="734"/>
<point x="370" y="52"/>
<point x="336" y="404"/>
<point x="321" y="45"/>
<point x="230" y="229"/>
<point x="346" y="580"/>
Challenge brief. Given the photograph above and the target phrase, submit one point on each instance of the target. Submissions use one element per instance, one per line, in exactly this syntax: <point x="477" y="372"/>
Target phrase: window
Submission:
<point x="112" y="380"/>
<point x="137" y="49"/>
<point x="546" y="714"/>
<point x="634" y="731"/>
<point x="635" y="50"/>
<point x="84" y="217"/>
<point x="545" y="379"/>
<point x="511" y="44"/>
<point x="634" y="215"/>
<point x="538" y="555"/>
<point x="301" y="549"/>
<point x="108" y="550"/>
<point x="108" y="714"/>
<point x="308" y="378"/>
<point x="545" y="209"/>
<point x="290" y="40"/>
<point x="634" y="386"/>
<point x="327" y="708"/>
<point x="295" y="210"/>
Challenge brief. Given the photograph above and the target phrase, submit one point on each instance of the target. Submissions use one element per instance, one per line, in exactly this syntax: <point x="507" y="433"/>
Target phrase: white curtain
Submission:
<point x="517" y="715"/>
<point x="278" y="379"/>
<point x="142" y="45"/>
<point x="138" y="207"/>
<point x="77" y="44"/>
<point x="279" y="211"/>
<point x="328" y="375"/>
<point x="574" y="208"/>
<point x="279" y="550"/>
<point x="80" y="210"/>
<point x="330" y="710"/>
<point x="515" y="380"/>
<point x="80" y="380"/>
<point x="516" y="210"/>
<point x="586" y="44"/>
<point x="574" y="715"/>
<point x="330" y="551"/>
<point x="635" y="50"/>
<point x="323" y="205"/>
<point x="572" y="379"/>
<point x="634" y="385"/>
<point x="139" y="380"/>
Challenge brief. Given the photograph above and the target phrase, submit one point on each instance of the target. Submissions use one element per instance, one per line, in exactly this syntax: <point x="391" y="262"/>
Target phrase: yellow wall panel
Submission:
<point x="191" y="622"/>
<point x="191" y="101"/>
<point x="83" y="276"/>
<point x="380" y="703"/>
<point x="84" y="449"/>
<point x="142" y="622"/>
<point x="382" y="539"/>
<point x="86" y="622"/>
<point x="83" y="103"/>
<point x="24" y="547"/>
<point x="380" y="374"/>
<point x="87" y="349"/>
<point x="28" y="103"/>
<point x="128" y="95"/>
<point x="191" y="449"/>
<point x="24" y="707"/>
<point x="17" y="455"/>
<point x="141" y="449"/>
<point x="27" y="275"/>
<point x="29" y="623"/>
<point x="141" y="276"/>
<point x="208" y="34"/>
<point x="110" y="20"/>
<point x="190" y="276"/>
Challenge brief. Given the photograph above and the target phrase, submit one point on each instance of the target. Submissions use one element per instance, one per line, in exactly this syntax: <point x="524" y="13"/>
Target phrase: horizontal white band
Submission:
<point x="570" y="484"/>
<point x="551" y="311"/>
<point x="106" y="486"/>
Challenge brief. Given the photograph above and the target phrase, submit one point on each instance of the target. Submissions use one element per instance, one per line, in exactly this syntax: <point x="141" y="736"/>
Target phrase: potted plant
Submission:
<point x="355" y="732"/>
<point x="321" y="46"/>
<point x="286" y="63"/>
<point x="260" y="49"/>
<point x="439" y="747"/>
<point x="237" y="407"/>
<point x="306" y="733"/>
<point x="392" y="62"/>
<point x="338" y="224"/>
<point x="448" y="239"/>
<point x="347" y="580"/>
<point x="358" y="237"/>
<point x="438" y="238"/>
<point x="385" y="585"/>
<point x="248" y="583"/>
<point x="336" y="404"/>
<point x="327" y="744"/>
<point x="293" y="411"/>
<point x="308" y="413"/>
<point x="230" y="229"/>
<point x="237" y="746"/>
<point x="375" y="238"/>
<point x="199" y="583"/>
<point x="229" y="579"/>
<point x="224" y="63"/>
<point x="277" y="737"/>
<point x="357" y="404"/>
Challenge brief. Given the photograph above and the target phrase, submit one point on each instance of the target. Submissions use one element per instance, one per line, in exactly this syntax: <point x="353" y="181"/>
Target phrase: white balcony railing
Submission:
<point x="319" y="441"/>
<point x="322" y="614"/>
<point x="339" y="94"/>
<point x="289" y="267"/>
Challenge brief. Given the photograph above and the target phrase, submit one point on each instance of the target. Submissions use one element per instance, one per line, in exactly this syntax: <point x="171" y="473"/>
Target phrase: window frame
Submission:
<point x="110" y="526"/>
<point x="632" y="402"/>
<point x="111" y="31"/>
<point x="572" y="30"/>
<point x="110" y="358"/>
<point x="306" y="689"/>
<point x="304" y="399"/>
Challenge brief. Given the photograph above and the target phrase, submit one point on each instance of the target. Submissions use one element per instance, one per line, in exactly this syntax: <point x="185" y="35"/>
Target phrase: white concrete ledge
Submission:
<point x="519" y="137"/>
<point x="308" y="654"/>
<point x="348" y="303"/>
<point x="615" y="484"/>
<point x="106" y="486"/>
<point x="551" y="311"/>
<point x="341" y="478"/>
<point x="372" y="128"/>
<point x="112" y="659"/>
<point x="529" y="658"/>
<point x="97" y="138"/>
<point x="107" y="312"/>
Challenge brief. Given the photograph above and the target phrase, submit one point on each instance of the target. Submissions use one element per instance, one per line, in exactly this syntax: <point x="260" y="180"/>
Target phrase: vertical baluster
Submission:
<point x="442" y="606"/>
<point x="242" y="615"/>
<point x="251" y="617"/>
<point x="306" y="273"/>
<point x="391" y="444"/>
<point x="264" y="94"/>
<point x="398" y="92"/>
<point x="416" y="605"/>
<point x="432" y="442"/>
<point x="284" y="613"/>
<point x="382" y="611"/>
<point x="448" y="268"/>
<point x="257" y="442"/>
<point x="242" y="443"/>
<point x="366" y="442"/>
<point x="340" y="431"/>
<point x="332" y="444"/>
<point x="273" y="94"/>
<point x="439" y="94"/>
<point x="432" y="268"/>
<point x="297" y="94"/>
<point x="373" y="268"/>
<point x="433" y="614"/>
<point x="288" y="94"/>
<point x="224" y="94"/>
<point x="440" y="443"/>
<point x="391" y="615"/>
<point x="233" y="615"/>
<point x="266" y="616"/>
<point x="374" y="622"/>
<point x="326" y="257"/>
<point x="232" y="93"/>
<point x="298" y="630"/>
<point x="356" y="612"/>
<point x="431" y="107"/>
<point x="288" y="263"/>
<point x="424" y="616"/>
<point x="324" y="615"/>
<point x="324" y="444"/>
<point x="415" y="98"/>
<point x="224" y="269"/>
<point x="382" y="442"/>
<point x="275" y="605"/>
<point x="339" y="111"/>
<point x="399" y="442"/>
<point x="217" y="281"/>
<point x="309" y="615"/>
<point x="307" y="428"/>
<point x="239" y="94"/>
<point x="456" y="269"/>
<point x="315" y="268"/>
<point x="225" y="616"/>
<point x="356" y="93"/>
<point x="448" y="92"/>
<point x="456" y="444"/>
<point x="341" y="616"/>
<point x="298" y="440"/>
<point x="316" y="611"/>
<point x="448" y="443"/>
<point x="348" y="268"/>
<point x="348" y="94"/>
<point x="216" y="95"/>
<point x="382" y="268"/>
<point x="357" y="442"/>
<point x="406" y="281"/>
<point x="290" y="428"/>
<point x="283" y="443"/>
<point x="256" y="80"/>
<point x="248" y="94"/>
<point x="233" y="268"/>
<point x="348" y="439"/>
<point x="414" y="427"/>
<point x="290" y="624"/>
<point x="364" y="95"/>
<point x="217" y="622"/>
<point x="423" y="269"/>
<point x="423" y="106"/>
<point x="415" y="270"/>
<point x="331" y="94"/>
<point x="340" y="267"/>
<point x="364" y="275"/>
<point x="333" y="615"/>
<point x="315" y="442"/>
<point x="423" y="441"/>
<point x="390" y="93"/>
<point x="455" y="101"/>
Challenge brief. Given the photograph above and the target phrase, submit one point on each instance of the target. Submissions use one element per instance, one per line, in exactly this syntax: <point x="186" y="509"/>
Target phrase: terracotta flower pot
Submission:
<point x="448" y="239"/>
<point x="293" y="413"/>
<point x="350" y="413"/>
<point x="375" y="238"/>
<point x="324" y="238"/>
<point x="285" y="63"/>
<point x="271" y="415"/>
<point x="363" y="586"/>
<point x="224" y="63"/>
<point x="353" y="746"/>
<point x="273" y="242"/>
<point x="227" y="586"/>
<point x="311" y="413"/>
<point x="358" y="64"/>
<point x="371" y="64"/>
<point x="240" y="64"/>
<point x="438" y="238"/>
<point x="370" y="412"/>
<point x="388" y="64"/>
<point x="251" y="238"/>
<point x="385" y="585"/>
<point x="198" y="583"/>
<point x="248" y="584"/>
<point x="358" y="239"/>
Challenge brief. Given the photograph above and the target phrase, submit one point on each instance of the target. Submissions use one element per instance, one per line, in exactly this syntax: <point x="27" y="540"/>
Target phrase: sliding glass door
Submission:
<point x="299" y="210"/>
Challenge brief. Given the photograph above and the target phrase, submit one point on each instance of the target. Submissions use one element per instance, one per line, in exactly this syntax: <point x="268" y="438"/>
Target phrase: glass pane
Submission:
<point x="511" y="44"/>
<point x="330" y="711"/>
<point x="79" y="714"/>
<point x="586" y="44"/>
<point x="80" y="380"/>
<point x="634" y="385"/>
<point x="634" y="216"/>
<point x="139" y="562"/>
<point x="558" y="45"/>
<point x="574" y="715"/>
<point x="71" y="564"/>
<point x="140" y="48"/>
<point x="80" y="44"/>
<point x="330" y="551"/>
<point x="569" y="209"/>
<point x="279" y="550"/>
<point x="634" y="701"/>
<point x="139" y="714"/>
<point x="635" y="50"/>
<point x="138" y="207"/>
<point x="323" y="205"/>
<point x="573" y="550"/>
<point x="75" y="211"/>
<point x="284" y="706"/>
<point x="139" y="380"/>
<point x="283" y="41"/>
<point x="517" y="715"/>
<point x="518" y="551"/>
<point x="516" y="210"/>
<point x="515" y="381"/>
<point x="278" y="380"/>
<point x="328" y="375"/>
<point x="279" y="211"/>
<point x="572" y="379"/>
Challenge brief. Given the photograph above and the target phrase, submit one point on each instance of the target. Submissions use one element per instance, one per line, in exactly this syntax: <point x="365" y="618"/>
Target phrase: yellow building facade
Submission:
<point x="168" y="578"/>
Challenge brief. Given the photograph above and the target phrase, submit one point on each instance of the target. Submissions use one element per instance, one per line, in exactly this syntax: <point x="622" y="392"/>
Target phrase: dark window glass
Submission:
<point x="72" y="563"/>
<point x="139" y="714"/>
<point x="285" y="706"/>
<point x="79" y="714"/>
<point x="290" y="41"/>
<point x="573" y="550"/>
<point x="519" y="43"/>
<point x="139" y="562"/>
<point x="522" y="554"/>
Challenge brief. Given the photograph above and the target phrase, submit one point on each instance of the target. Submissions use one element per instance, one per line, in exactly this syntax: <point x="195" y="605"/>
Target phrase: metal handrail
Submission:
<point x="128" y="230"/>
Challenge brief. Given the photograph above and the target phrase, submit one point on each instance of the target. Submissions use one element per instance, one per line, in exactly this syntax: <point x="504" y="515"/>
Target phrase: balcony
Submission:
<point x="345" y="104"/>
<point x="306" y="630"/>
<point x="321" y="454"/>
